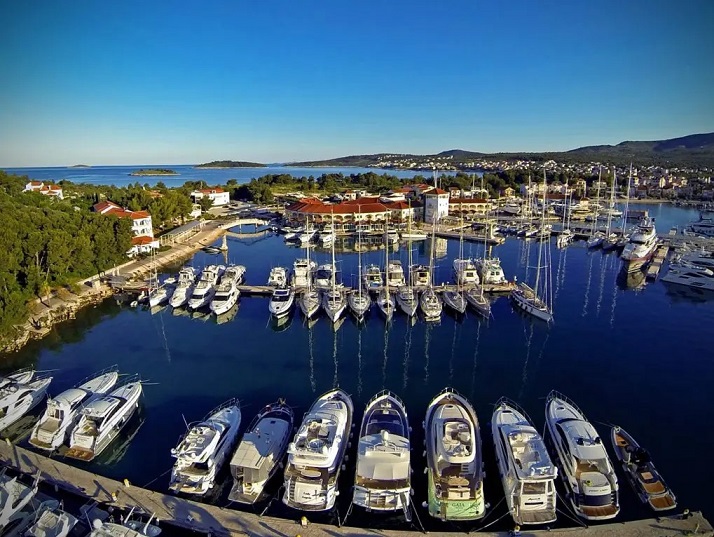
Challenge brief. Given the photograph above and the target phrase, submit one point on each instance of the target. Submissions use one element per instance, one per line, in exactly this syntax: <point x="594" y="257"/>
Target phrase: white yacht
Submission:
<point x="414" y="235"/>
<point x="420" y="276"/>
<point x="315" y="455"/>
<point x="63" y="411"/>
<point x="408" y="300"/>
<point x="102" y="420"/>
<point x="585" y="466"/>
<point x="465" y="271"/>
<point x="14" y="497"/>
<point x="18" y="399"/>
<point x="205" y="288"/>
<point x="323" y="276"/>
<point x="642" y="245"/>
<point x="454" y="458"/>
<point x="159" y="295"/>
<point x="490" y="271"/>
<point x="690" y="275"/>
<point x="383" y="474"/>
<point x="234" y="273"/>
<point x="21" y="376"/>
<point x="281" y="302"/>
<point x="704" y="227"/>
<point x="204" y="448"/>
<point x="184" y="287"/>
<point x="225" y="296"/>
<point x="395" y="273"/>
<point x="126" y="527"/>
<point x="51" y="521"/>
<point x="430" y="305"/>
<point x="260" y="452"/>
<point x="512" y="208"/>
<point x="302" y="272"/>
<point x="527" y="473"/>
<point x="372" y="278"/>
<point x="278" y="277"/>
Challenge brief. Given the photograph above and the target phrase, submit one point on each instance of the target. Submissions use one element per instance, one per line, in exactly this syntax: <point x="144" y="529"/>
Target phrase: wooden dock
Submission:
<point x="221" y="521"/>
<point x="657" y="261"/>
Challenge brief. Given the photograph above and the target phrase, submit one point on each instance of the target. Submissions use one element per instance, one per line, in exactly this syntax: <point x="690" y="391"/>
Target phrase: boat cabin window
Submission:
<point x="533" y="487"/>
<point x="55" y="412"/>
<point x="389" y="422"/>
<point x="201" y="467"/>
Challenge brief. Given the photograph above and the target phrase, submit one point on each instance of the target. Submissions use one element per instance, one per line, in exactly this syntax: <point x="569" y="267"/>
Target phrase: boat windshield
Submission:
<point x="221" y="298"/>
<point x="389" y="421"/>
<point x="534" y="487"/>
<point x="323" y="274"/>
<point x="594" y="465"/>
<point x="280" y="297"/>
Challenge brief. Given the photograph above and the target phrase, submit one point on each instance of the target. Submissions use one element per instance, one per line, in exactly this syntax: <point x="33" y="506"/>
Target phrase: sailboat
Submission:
<point x="489" y="267"/>
<point x="609" y="242"/>
<point x="407" y="298"/>
<point x="537" y="300"/>
<point x="333" y="300"/>
<point x="492" y="266"/>
<point x="309" y="301"/>
<point x="566" y="235"/>
<point x="624" y="237"/>
<point x="596" y="237"/>
<point x="465" y="272"/>
<point x="358" y="301"/>
<point x="385" y="300"/>
<point x="429" y="302"/>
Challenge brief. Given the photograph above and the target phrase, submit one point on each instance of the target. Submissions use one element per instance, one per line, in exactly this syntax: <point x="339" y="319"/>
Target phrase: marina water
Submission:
<point x="634" y="354"/>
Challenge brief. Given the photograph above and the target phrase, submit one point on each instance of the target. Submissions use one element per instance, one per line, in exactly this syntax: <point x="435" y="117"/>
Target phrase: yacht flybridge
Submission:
<point x="642" y="245"/>
<point x="63" y="411"/>
<point x="315" y="455"/>
<point x="204" y="448"/>
<point x="278" y="277"/>
<point x="205" y="288"/>
<point x="21" y="376"/>
<point x="260" y="452"/>
<point x="184" y="287"/>
<point x="372" y="278"/>
<point x="17" y="399"/>
<point x="454" y="458"/>
<point x="14" y="497"/>
<point x="585" y="466"/>
<point x="395" y="273"/>
<point x="527" y="473"/>
<point x="302" y="272"/>
<point x="383" y="474"/>
<point x="227" y="292"/>
<point x="281" y="302"/>
<point x="103" y="419"/>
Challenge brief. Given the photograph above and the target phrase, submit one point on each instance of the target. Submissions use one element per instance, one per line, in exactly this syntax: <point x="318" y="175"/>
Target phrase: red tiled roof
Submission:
<point x="364" y="200"/>
<point x="104" y="205"/>
<point x="142" y="240"/>
<point x="436" y="191"/>
<point x="338" y="208"/>
<point x="36" y="183"/>
<point x="398" y="205"/>
<point x="468" y="200"/>
<point x="216" y="190"/>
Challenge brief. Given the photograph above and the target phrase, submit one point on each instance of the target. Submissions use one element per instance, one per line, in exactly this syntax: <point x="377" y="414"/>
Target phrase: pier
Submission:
<point x="222" y="521"/>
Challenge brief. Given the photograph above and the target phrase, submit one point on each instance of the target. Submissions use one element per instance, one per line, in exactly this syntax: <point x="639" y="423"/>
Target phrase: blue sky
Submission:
<point x="127" y="82"/>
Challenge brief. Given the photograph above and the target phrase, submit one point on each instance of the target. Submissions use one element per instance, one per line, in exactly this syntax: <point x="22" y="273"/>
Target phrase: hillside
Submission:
<point x="230" y="164"/>
<point x="696" y="150"/>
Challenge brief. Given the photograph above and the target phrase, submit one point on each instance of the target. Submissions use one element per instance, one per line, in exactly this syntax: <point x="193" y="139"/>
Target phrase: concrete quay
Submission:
<point x="221" y="521"/>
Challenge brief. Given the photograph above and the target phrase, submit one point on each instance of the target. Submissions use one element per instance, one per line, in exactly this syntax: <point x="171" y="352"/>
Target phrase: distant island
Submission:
<point x="154" y="171"/>
<point x="230" y="164"/>
<point x="80" y="166"/>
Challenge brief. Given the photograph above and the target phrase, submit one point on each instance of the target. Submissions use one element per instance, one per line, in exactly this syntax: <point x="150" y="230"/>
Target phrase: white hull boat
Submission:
<point x="527" y="473"/>
<point x="206" y="287"/>
<point x="490" y="271"/>
<point x="281" y="302"/>
<point x="372" y="279"/>
<point x="278" y="277"/>
<point x="385" y="303"/>
<point x="420" y="276"/>
<point x="63" y="411"/>
<point x="204" y="448"/>
<point x="324" y="276"/>
<point x="585" y="467"/>
<point x="690" y="275"/>
<point x="102" y="420"/>
<point x="334" y="303"/>
<point x="225" y="297"/>
<point x="309" y="303"/>
<point x="315" y="455"/>
<point x="16" y="399"/>
<point x="524" y="297"/>
<point x="184" y="287"/>
<point x="642" y="245"/>
<point x="430" y="305"/>
<point x="359" y="303"/>
<point x="465" y="272"/>
<point x="260" y="452"/>
<point x="395" y="274"/>
<point x="383" y="473"/>
<point x="14" y="497"/>
<point x="302" y="273"/>
<point x="455" y="300"/>
<point x="21" y="376"/>
<point x="408" y="300"/>
<point x="454" y="458"/>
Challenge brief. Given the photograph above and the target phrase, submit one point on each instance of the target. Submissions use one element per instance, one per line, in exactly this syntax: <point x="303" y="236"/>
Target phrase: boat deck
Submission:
<point x="223" y="521"/>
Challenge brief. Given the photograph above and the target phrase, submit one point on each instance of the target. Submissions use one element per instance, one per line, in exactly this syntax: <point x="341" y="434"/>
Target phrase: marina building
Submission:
<point x="469" y="207"/>
<point x="217" y="195"/>
<point x="436" y="205"/>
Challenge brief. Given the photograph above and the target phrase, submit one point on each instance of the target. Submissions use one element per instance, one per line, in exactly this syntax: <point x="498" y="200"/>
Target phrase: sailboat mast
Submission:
<point x="386" y="257"/>
<point x="334" y="267"/>
<point x="309" y="276"/>
<point x="627" y="202"/>
<point x="540" y="242"/>
<point x="597" y="201"/>
<point x="486" y="231"/>
<point x="409" y="247"/>
<point x="359" y="253"/>
<point x="612" y="199"/>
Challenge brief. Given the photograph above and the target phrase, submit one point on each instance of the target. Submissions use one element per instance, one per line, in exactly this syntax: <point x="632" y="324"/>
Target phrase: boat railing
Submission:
<point x="555" y="394"/>
<point x="278" y="406"/>
<point x="111" y="369"/>
<point x="233" y="401"/>
<point x="387" y="393"/>
<point x="516" y="406"/>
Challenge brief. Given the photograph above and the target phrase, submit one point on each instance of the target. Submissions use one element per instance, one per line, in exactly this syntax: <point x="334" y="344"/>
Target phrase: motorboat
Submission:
<point x="359" y="303"/>
<point x="595" y="240"/>
<point x="324" y="276"/>
<point x="281" y="302"/>
<point x="278" y="277"/>
<point x="383" y="473"/>
<point x="476" y="299"/>
<point x="17" y="399"/>
<point x="609" y="242"/>
<point x="372" y="278"/>
<point x="302" y="272"/>
<point x="511" y="208"/>
<point x="525" y="297"/>
<point x="698" y="258"/>
<point x="642" y="245"/>
<point x="204" y="448"/>
<point x="455" y="299"/>
<point x="316" y="453"/>
<point x="225" y="297"/>
<point x="205" y="288"/>
<point x="260" y="452"/>
<point x="102" y="420"/>
<point x="327" y="238"/>
<point x="490" y="271"/>
<point x="454" y="458"/>
<point x="184" y="287"/>
<point x="159" y="295"/>
<point x="585" y="467"/>
<point x="306" y="236"/>
<point x="127" y="526"/>
<point x="641" y="472"/>
<point x="420" y="276"/>
<point x="408" y="300"/>
<point x="334" y="303"/>
<point x="234" y="273"/>
<point x="527" y="473"/>
<point x="395" y="273"/>
<point x="564" y="238"/>
<point x="690" y="275"/>
<point x="430" y="305"/>
<point x="51" y="521"/>
<point x="465" y="271"/>
<point x="63" y="411"/>
<point x="21" y="376"/>
<point x="385" y="303"/>
<point x="15" y="495"/>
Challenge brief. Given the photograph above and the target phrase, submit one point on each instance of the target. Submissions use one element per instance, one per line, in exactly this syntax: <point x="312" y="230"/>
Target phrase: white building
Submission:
<point x="217" y="195"/>
<point x="48" y="190"/>
<point x="141" y="226"/>
<point x="436" y="205"/>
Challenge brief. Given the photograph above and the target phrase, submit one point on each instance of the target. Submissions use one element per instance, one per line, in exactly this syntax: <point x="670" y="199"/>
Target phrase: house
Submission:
<point x="436" y="205"/>
<point x="217" y="195"/>
<point x="508" y="192"/>
<point x="365" y="214"/>
<point x="141" y="226"/>
<point x="469" y="207"/>
<point x="54" y="191"/>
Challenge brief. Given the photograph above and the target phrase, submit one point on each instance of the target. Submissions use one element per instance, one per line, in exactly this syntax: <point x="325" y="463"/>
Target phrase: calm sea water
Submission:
<point x="119" y="175"/>
<point x="640" y="357"/>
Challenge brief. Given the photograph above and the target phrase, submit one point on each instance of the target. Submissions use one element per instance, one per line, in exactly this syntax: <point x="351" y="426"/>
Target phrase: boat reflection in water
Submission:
<point x="228" y="316"/>
<point x="631" y="280"/>
<point x="280" y="324"/>
<point x="680" y="293"/>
